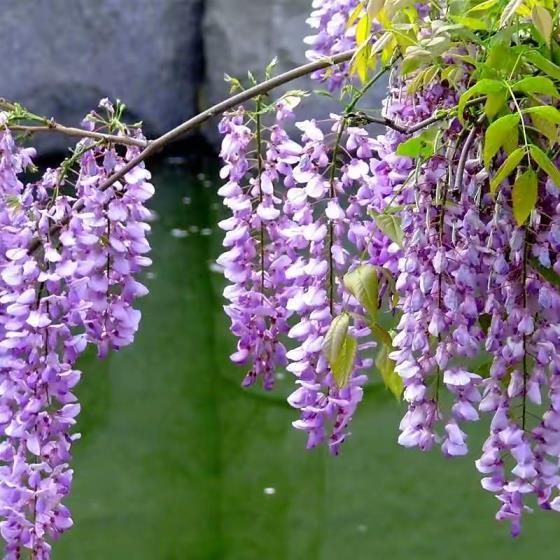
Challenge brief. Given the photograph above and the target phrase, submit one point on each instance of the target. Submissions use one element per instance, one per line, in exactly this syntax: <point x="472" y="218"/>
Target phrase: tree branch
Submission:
<point x="226" y="105"/>
<point x="156" y="145"/>
<point x="79" y="132"/>
<point x="404" y="129"/>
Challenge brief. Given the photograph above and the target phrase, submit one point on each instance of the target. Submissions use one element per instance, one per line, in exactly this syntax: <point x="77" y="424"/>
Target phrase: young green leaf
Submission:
<point x="547" y="129"/>
<point x="360" y="62"/>
<point x="506" y="169"/>
<point x="362" y="283"/>
<point x="544" y="64"/>
<point x="482" y="6"/>
<point x="511" y="142"/>
<point x="382" y="335"/>
<point x="483" y="87"/>
<point x="524" y="196"/>
<point x="386" y="368"/>
<point x="354" y="15"/>
<point x="335" y="337"/>
<point x="472" y="23"/>
<point x="496" y="135"/>
<point x="547" y="112"/>
<point x="414" y="58"/>
<point x="546" y="164"/>
<point x="542" y="20"/>
<point x="545" y="119"/>
<point x="363" y="29"/>
<point x="390" y="225"/>
<point x="374" y="7"/>
<point x="411" y="148"/>
<point x="495" y="102"/>
<point x="419" y="146"/>
<point x="537" y="85"/>
<point x="342" y="366"/>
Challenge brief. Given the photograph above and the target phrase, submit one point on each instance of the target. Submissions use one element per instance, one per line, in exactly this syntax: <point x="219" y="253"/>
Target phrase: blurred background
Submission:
<point x="176" y="461"/>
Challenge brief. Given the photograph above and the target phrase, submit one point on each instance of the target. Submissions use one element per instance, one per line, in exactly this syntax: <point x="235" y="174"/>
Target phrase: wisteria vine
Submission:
<point x="429" y="253"/>
<point x="446" y="225"/>
<point x="77" y="289"/>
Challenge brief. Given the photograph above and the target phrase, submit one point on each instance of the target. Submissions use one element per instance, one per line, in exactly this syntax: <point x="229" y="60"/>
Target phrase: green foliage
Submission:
<point x="506" y="169"/>
<point x="362" y="283"/>
<point x="508" y="80"/>
<point x="340" y="349"/>
<point x="390" y="225"/>
<point x="422" y="146"/>
<point x="386" y="368"/>
<point x="496" y="136"/>
<point x="524" y="196"/>
<point x="545" y="163"/>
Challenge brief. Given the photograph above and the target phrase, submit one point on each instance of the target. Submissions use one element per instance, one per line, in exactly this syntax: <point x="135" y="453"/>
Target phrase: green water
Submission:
<point x="178" y="463"/>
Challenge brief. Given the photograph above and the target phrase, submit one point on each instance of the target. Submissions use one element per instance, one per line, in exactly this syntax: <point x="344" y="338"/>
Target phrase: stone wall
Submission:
<point x="164" y="58"/>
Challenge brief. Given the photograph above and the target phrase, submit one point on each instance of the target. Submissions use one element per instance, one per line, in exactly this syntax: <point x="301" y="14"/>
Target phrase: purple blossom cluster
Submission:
<point x="477" y="322"/>
<point x="286" y="256"/>
<point x="329" y="19"/>
<point x="77" y="288"/>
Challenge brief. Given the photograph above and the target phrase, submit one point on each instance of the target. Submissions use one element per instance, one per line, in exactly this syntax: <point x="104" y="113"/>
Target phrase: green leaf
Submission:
<point x="511" y="143"/>
<point x="411" y="148"/>
<point x="547" y="273"/>
<point x="496" y="135"/>
<point x="414" y="58"/>
<point x="363" y="284"/>
<point x="544" y="64"/>
<point x="501" y="59"/>
<point x="335" y="337"/>
<point x="374" y="7"/>
<point x="360" y="62"/>
<point x="382" y="335"/>
<point x="547" y="112"/>
<point x="390" y="225"/>
<point x="386" y="368"/>
<point x="363" y="29"/>
<point x="483" y="87"/>
<point x="487" y="4"/>
<point x="537" y="85"/>
<point x="344" y="363"/>
<point x="524" y="196"/>
<point x="471" y="23"/>
<point x="354" y="15"/>
<point x="419" y="146"/>
<point x="505" y="170"/>
<point x="542" y="20"/>
<point x="495" y="103"/>
<point x="545" y="119"/>
<point x="546" y="164"/>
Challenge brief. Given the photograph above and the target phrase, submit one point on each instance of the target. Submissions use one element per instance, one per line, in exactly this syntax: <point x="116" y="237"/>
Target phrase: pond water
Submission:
<point x="177" y="462"/>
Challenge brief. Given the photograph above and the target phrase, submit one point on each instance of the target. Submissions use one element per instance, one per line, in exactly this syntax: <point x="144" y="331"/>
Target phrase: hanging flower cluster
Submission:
<point x="329" y="19"/>
<point x="67" y="279"/>
<point x="448" y="223"/>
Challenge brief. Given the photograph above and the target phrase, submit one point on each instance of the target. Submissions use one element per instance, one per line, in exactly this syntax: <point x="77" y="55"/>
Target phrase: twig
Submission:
<point x="403" y="129"/>
<point x="80" y="133"/>
<point x="159" y="143"/>
<point x="222" y="107"/>
<point x="464" y="155"/>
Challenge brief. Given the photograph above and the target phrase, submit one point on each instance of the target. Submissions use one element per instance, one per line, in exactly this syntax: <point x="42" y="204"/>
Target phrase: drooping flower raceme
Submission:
<point x="329" y="20"/>
<point x="76" y="288"/>
<point x="476" y="325"/>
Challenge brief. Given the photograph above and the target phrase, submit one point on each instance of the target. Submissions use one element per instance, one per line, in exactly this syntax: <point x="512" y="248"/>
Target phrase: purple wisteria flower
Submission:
<point x="77" y="288"/>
